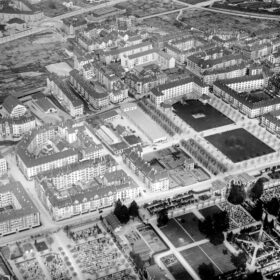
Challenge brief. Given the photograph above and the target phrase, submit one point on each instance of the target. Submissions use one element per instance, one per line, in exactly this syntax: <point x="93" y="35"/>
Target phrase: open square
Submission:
<point x="176" y="234"/>
<point x="190" y="223"/>
<point x="200" y="116"/>
<point x="239" y="145"/>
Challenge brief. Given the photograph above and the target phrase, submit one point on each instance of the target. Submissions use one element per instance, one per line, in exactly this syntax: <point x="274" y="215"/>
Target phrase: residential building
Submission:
<point x="18" y="211"/>
<point x="64" y="94"/>
<point x="54" y="146"/>
<point x="116" y="54"/>
<point x="162" y="59"/>
<point x="97" y="99"/>
<point x="13" y="107"/>
<point x="3" y="165"/>
<point x="188" y="87"/>
<point x="156" y="181"/>
<point x="235" y="92"/>
<point x="85" y="196"/>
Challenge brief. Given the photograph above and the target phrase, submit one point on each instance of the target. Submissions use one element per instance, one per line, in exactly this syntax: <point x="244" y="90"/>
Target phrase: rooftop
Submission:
<point x="26" y="205"/>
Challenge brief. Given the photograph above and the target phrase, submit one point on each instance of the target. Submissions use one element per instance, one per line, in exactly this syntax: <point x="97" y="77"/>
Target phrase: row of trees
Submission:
<point x="203" y="156"/>
<point x="213" y="227"/>
<point x="159" y="117"/>
<point x="123" y="213"/>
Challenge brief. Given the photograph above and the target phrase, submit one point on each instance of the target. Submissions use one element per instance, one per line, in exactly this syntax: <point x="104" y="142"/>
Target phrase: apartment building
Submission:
<point x="13" y="108"/>
<point x="84" y="197"/>
<point x="63" y="93"/>
<point x="186" y="87"/>
<point x="17" y="127"/>
<point x="162" y="59"/>
<point x="116" y="54"/>
<point x="154" y="180"/>
<point x="210" y="76"/>
<point x="3" y="165"/>
<point x="97" y="99"/>
<point x="18" y="211"/>
<point x="239" y="100"/>
<point x="214" y="59"/>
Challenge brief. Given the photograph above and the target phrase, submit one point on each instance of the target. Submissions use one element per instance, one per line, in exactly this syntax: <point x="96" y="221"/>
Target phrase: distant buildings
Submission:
<point x="20" y="9"/>
<point x="17" y="210"/>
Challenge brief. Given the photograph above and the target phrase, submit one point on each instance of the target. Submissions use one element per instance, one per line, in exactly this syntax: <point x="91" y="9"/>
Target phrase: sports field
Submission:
<point x="239" y="145"/>
<point x="208" y="253"/>
<point x="190" y="223"/>
<point x="176" y="234"/>
<point x="199" y="116"/>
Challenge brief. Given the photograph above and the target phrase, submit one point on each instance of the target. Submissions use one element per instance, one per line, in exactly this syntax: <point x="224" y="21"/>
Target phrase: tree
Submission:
<point x="239" y="261"/>
<point x="255" y="276"/>
<point x="257" y="211"/>
<point x="237" y="194"/>
<point x="118" y="206"/>
<point x="221" y="221"/>
<point x="162" y="219"/>
<point x="257" y="190"/>
<point x="216" y="238"/>
<point x="121" y="212"/>
<point x="273" y="206"/>
<point x="206" y="226"/>
<point x="124" y="216"/>
<point x="133" y="209"/>
<point x="206" y="271"/>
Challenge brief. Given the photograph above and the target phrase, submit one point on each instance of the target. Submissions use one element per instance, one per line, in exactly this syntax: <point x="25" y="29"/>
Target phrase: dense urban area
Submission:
<point x="139" y="140"/>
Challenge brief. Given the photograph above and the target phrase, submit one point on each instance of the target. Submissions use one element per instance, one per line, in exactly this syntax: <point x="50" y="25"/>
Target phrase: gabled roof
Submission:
<point x="10" y="103"/>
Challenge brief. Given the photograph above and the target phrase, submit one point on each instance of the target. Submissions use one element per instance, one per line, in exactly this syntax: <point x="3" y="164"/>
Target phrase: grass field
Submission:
<point x="199" y="116"/>
<point x="239" y="145"/>
<point x="177" y="236"/>
<point x="208" y="253"/>
<point x="190" y="223"/>
<point x="210" y="211"/>
<point x="219" y="255"/>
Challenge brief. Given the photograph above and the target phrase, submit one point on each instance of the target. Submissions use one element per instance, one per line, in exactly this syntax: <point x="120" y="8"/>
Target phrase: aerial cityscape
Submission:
<point x="139" y="139"/>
